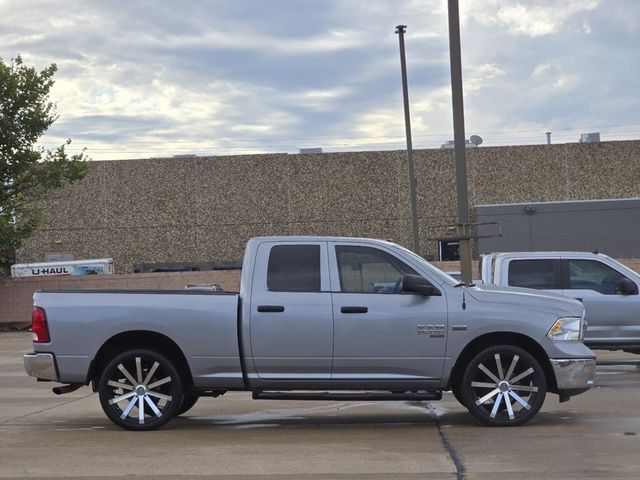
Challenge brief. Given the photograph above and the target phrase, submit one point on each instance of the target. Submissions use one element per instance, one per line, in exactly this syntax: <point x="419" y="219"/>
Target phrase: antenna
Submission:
<point x="475" y="139"/>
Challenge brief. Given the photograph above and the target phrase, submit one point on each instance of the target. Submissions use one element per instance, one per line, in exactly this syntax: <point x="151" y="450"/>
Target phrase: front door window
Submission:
<point x="369" y="270"/>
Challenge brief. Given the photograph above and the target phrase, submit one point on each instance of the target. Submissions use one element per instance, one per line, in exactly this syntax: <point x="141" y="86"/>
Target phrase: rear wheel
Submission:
<point x="503" y="386"/>
<point x="140" y="390"/>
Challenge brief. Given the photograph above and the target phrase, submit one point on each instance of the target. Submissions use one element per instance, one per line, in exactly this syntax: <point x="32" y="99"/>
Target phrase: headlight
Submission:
<point x="570" y="328"/>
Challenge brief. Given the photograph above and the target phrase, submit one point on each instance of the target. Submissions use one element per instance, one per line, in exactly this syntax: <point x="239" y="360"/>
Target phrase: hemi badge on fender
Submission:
<point x="458" y="327"/>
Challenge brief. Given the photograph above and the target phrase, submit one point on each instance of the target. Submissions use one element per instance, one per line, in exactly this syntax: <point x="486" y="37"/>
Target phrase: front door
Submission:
<point x="383" y="336"/>
<point x="611" y="317"/>
<point x="290" y="311"/>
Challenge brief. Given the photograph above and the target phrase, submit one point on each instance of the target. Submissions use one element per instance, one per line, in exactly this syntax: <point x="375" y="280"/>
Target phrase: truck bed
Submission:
<point x="203" y="324"/>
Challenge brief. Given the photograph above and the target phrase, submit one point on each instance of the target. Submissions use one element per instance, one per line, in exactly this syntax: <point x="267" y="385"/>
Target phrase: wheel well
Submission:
<point x="504" y="338"/>
<point x="139" y="339"/>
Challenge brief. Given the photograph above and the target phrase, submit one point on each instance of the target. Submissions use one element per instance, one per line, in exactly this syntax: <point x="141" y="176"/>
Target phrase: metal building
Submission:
<point x="609" y="226"/>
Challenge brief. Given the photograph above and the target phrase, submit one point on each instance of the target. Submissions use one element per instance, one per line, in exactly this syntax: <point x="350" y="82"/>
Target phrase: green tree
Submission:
<point x="28" y="173"/>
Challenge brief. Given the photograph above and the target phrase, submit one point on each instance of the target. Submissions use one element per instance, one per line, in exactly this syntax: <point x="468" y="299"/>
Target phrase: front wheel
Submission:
<point x="503" y="386"/>
<point x="455" y="389"/>
<point x="140" y="390"/>
<point x="188" y="401"/>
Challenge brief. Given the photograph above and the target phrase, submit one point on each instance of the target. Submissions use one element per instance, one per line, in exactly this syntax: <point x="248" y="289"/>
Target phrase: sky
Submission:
<point x="140" y="79"/>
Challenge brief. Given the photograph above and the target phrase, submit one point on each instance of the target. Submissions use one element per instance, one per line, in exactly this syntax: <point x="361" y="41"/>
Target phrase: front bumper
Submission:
<point x="41" y="365"/>
<point x="574" y="373"/>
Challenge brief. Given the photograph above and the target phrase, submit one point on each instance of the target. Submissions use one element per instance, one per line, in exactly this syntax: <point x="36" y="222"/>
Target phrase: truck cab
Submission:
<point x="326" y="295"/>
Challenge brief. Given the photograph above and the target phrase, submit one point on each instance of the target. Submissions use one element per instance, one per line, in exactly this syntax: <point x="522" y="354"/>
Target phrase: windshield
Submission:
<point x="623" y="268"/>
<point x="436" y="272"/>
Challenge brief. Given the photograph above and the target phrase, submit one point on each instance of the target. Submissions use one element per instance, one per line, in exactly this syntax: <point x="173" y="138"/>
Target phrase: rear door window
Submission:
<point x="541" y="274"/>
<point x="294" y="268"/>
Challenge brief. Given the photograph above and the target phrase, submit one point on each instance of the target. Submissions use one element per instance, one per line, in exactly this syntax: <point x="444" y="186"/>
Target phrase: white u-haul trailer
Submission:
<point x="100" y="266"/>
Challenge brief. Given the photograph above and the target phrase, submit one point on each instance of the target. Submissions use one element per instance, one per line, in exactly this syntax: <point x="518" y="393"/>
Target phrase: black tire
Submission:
<point x="455" y="389"/>
<point x="140" y="378"/>
<point x="508" y="376"/>
<point x="188" y="401"/>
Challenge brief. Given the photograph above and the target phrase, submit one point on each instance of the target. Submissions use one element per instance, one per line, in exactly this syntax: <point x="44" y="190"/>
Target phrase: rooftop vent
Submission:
<point x="590" y="137"/>
<point x="311" y="150"/>
<point x="467" y="144"/>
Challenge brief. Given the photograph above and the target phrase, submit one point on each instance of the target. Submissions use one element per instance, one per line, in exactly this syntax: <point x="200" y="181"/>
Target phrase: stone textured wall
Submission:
<point x="206" y="208"/>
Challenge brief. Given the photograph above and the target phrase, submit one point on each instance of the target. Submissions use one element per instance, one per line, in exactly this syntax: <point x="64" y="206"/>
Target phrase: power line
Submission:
<point x="377" y="137"/>
<point x="245" y="145"/>
<point x="506" y="141"/>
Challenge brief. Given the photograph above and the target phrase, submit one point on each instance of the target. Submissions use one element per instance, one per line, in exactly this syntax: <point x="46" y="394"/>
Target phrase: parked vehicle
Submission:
<point x="99" y="266"/>
<point x="607" y="288"/>
<point x="310" y="322"/>
<point x="457" y="274"/>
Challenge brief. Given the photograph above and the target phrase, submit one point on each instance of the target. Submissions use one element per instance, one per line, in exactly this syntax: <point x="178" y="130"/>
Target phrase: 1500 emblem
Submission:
<point x="433" y="331"/>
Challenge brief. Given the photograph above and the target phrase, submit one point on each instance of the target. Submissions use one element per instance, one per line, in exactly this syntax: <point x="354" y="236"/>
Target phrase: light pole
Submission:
<point x="400" y="29"/>
<point x="462" y="191"/>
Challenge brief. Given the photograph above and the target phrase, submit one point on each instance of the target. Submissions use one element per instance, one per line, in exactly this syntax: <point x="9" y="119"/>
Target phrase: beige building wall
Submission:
<point x="206" y="208"/>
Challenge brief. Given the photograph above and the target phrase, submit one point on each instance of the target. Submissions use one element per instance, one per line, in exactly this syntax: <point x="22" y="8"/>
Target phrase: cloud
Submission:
<point x="145" y="78"/>
<point x="529" y="19"/>
<point x="479" y="76"/>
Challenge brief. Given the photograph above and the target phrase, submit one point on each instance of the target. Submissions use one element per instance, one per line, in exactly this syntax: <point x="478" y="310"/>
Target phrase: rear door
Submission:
<point x="383" y="336"/>
<point x="291" y="316"/>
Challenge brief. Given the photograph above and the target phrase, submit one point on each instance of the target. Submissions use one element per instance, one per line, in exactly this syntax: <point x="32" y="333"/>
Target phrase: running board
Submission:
<point x="347" y="396"/>
<point x="62" y="389"/>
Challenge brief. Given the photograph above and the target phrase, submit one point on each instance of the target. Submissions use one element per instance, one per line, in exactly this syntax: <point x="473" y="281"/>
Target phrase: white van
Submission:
<point x="100" y="266"/>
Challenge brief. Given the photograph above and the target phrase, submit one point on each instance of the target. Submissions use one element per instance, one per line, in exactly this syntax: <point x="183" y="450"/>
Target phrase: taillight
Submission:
<point x="39" y="326"/>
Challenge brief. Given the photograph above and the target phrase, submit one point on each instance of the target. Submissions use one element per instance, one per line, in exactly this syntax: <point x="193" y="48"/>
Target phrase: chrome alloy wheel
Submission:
<point x="504" y="386"/>
<point x="140" y="390"/>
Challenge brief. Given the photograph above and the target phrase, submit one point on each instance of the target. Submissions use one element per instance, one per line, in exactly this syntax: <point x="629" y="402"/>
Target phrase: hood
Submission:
<point x="528" y="298"/>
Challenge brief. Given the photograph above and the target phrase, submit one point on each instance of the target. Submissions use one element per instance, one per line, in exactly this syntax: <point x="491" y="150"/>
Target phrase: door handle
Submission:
<point x="271" y="308"/>
<point x="354" y="309"/>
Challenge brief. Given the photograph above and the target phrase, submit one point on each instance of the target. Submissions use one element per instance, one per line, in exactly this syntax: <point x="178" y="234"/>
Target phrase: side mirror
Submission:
<point x="419" y="286"/>
<point x="626" y="287"/>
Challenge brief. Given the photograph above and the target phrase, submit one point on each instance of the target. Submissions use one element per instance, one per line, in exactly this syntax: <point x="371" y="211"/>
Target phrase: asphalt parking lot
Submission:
<point x="595" y="435"/>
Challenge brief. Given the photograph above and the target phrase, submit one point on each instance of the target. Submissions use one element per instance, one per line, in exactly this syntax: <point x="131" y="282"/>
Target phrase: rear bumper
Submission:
<point x="41" y="365"/>
<point x="574" y="373"/>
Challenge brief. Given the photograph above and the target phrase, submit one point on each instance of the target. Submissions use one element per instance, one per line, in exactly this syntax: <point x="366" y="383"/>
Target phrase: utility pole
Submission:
<point x="400" y="29"/>
<point x="464" y="230"/>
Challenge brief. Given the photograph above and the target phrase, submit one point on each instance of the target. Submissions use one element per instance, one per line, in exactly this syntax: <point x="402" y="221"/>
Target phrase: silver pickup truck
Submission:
<point x="312" y="323"/>
<point x="608" y="290"/>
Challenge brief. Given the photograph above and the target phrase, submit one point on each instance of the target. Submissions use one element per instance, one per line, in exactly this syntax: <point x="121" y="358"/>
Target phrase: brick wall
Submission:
<point x="16" y="295"/>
